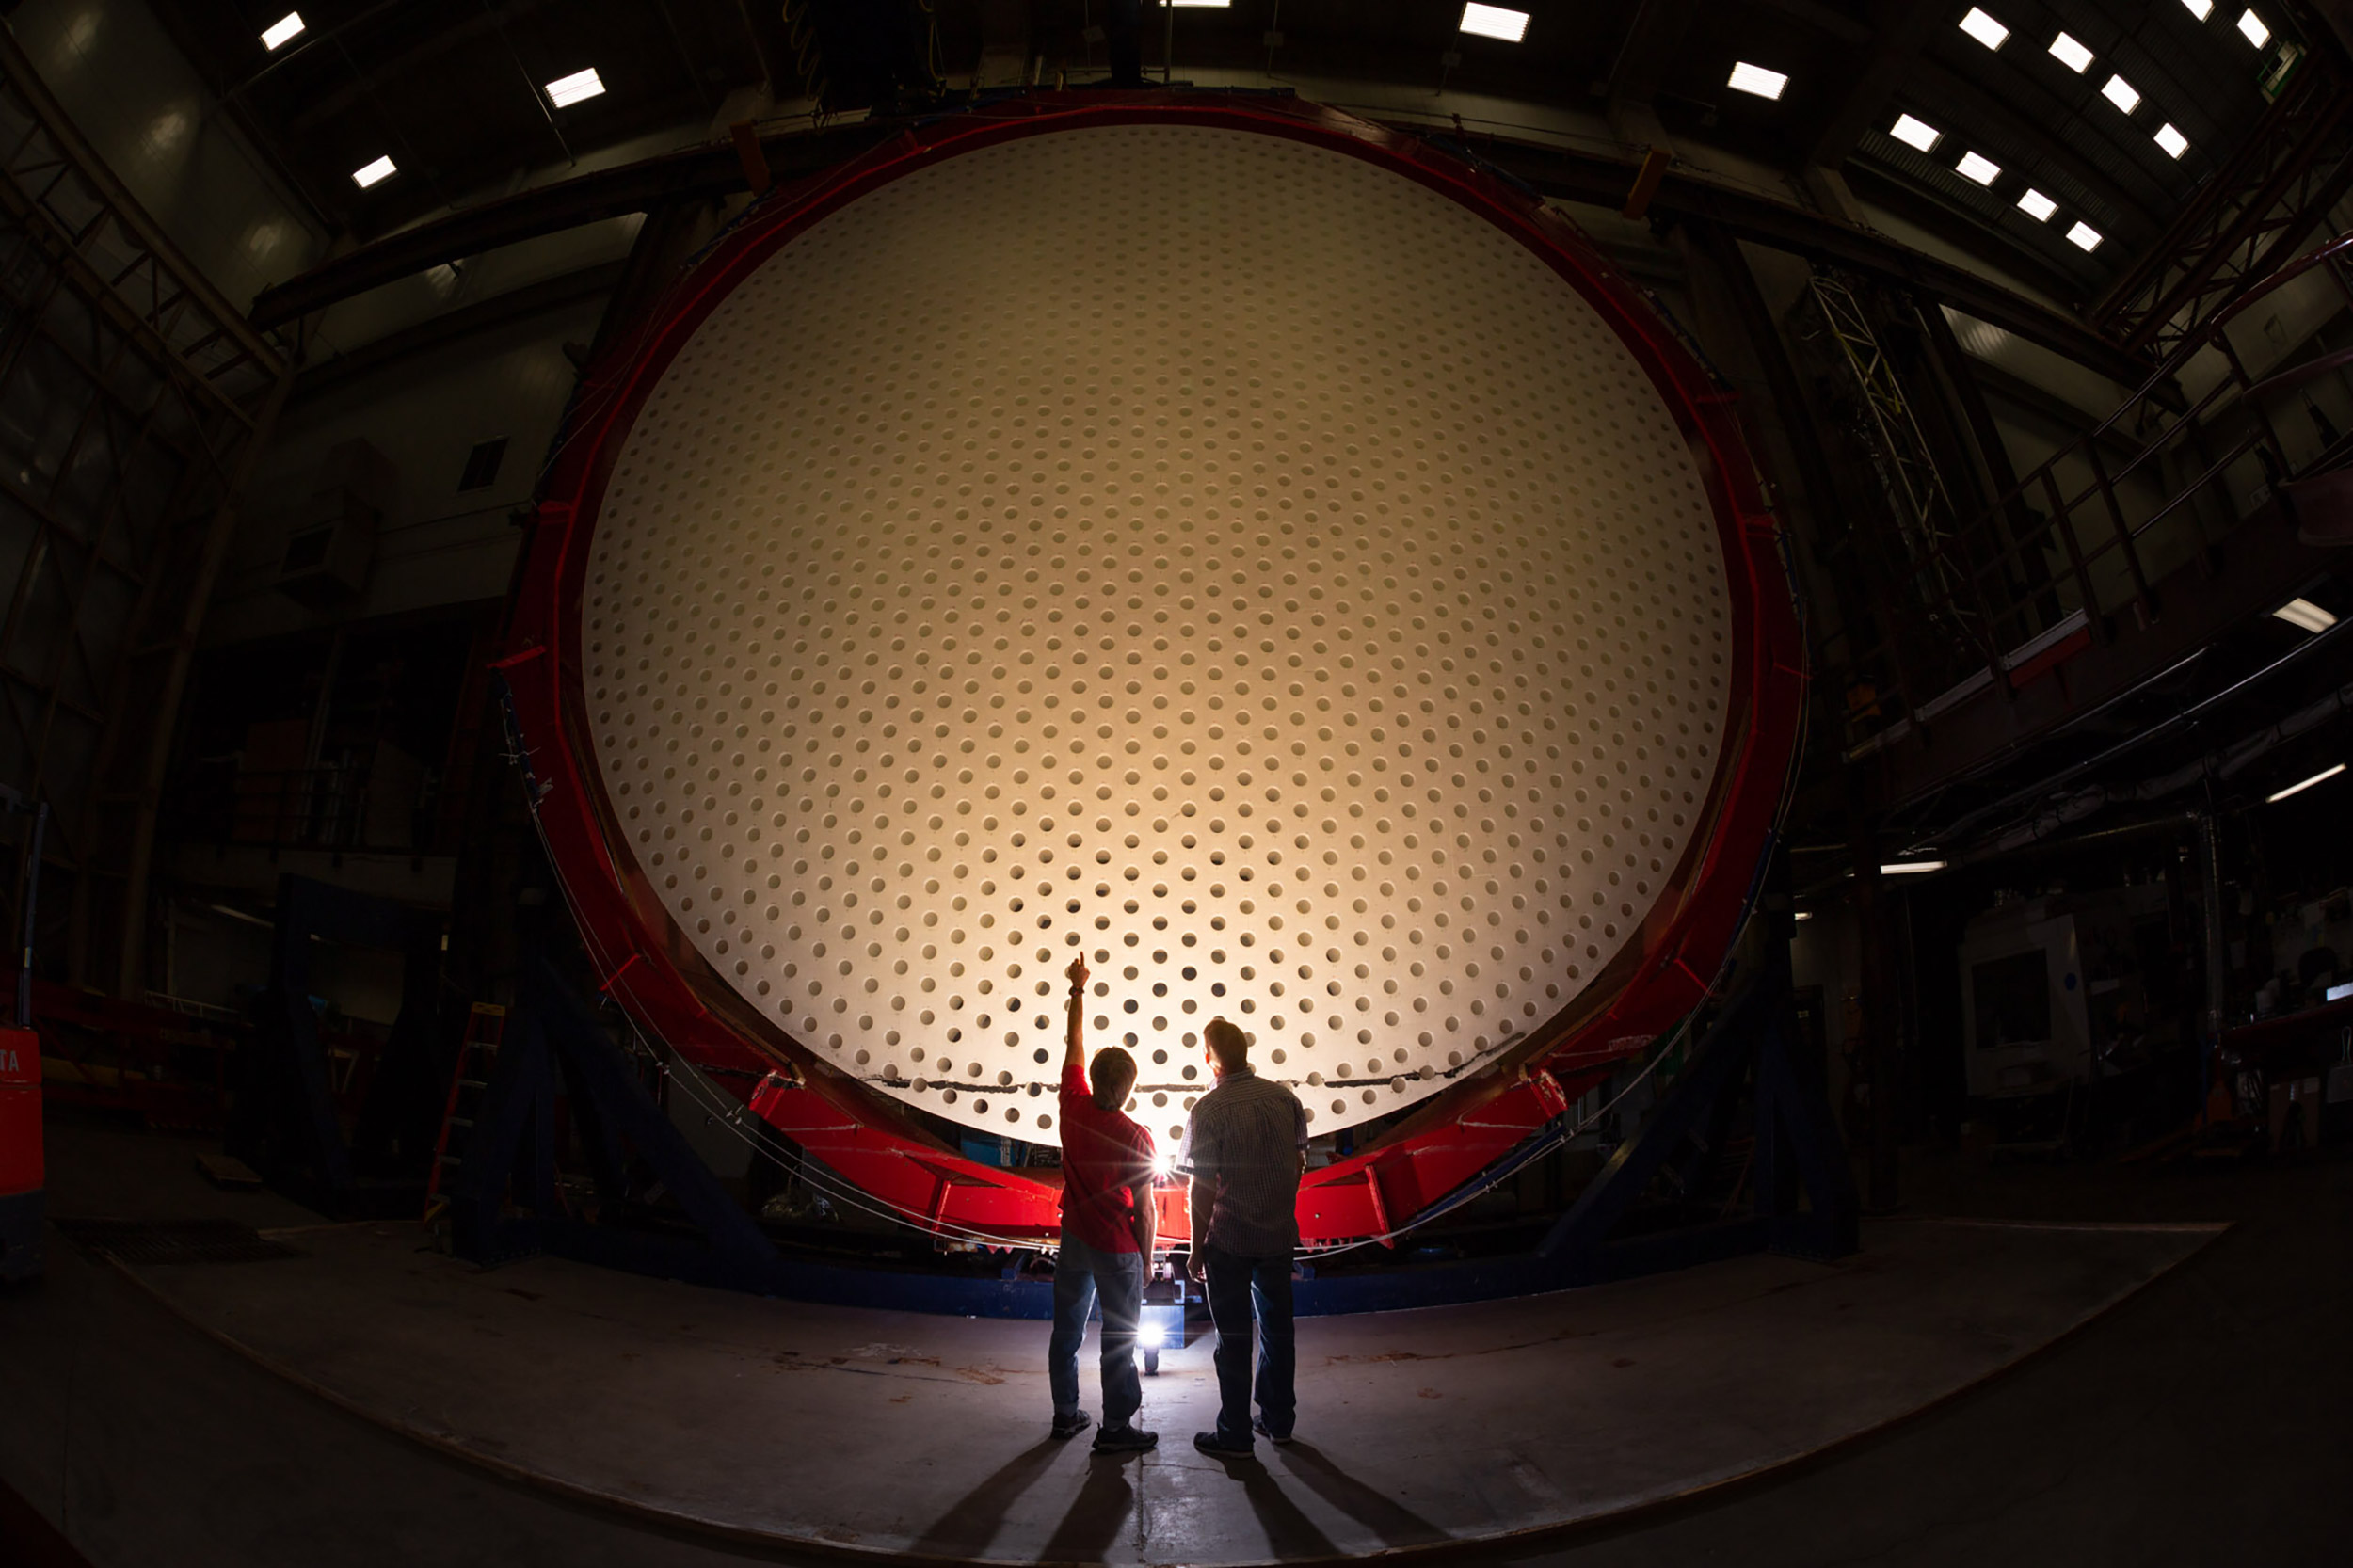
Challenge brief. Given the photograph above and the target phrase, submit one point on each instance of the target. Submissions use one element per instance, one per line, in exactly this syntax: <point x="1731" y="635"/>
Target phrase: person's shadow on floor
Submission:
<point x="1392" y="1521"/>
<point x="972" y="1522"/>
<point x="1288" y="1531"/>
<point x="1095" y="1515"/>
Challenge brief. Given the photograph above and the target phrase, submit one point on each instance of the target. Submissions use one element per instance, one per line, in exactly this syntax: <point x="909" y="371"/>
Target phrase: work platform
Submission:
<point x="866" y="1433"/>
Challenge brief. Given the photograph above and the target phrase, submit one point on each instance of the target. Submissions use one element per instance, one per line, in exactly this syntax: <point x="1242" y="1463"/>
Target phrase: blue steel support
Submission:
<point x="286" y="1123"/>
<point x="1796" y="1148"/>
<point x="21" y="1217"/>
<point x="513" y="1148"/>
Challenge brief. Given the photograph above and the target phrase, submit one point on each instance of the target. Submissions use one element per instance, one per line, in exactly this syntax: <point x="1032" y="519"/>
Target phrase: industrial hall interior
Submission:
<point x="1210" y="782"/>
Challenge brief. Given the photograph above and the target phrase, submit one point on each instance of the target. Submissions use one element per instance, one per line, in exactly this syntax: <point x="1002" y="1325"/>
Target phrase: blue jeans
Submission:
<point x="1237" y="1286"/>
<point x="1081" y="1275"/>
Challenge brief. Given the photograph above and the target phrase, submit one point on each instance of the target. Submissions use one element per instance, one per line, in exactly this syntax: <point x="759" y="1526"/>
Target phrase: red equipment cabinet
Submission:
<point x="22" y="1174"/>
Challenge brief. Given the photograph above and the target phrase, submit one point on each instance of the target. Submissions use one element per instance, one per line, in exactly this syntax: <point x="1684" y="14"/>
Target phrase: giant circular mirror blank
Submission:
<point x="1210" y="553"/>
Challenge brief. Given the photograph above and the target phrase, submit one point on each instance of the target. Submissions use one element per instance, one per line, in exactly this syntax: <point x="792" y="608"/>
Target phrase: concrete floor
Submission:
<point x="2201" y="1419"/>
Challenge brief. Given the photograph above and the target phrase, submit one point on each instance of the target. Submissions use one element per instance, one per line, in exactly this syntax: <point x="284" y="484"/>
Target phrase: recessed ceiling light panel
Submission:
<point x="2252" y="26"/>
<point x="1974" y="166"/>
<point x="2036" y="205"/>
<point x="2174" y="143"/>
<point x="1756" y="79"/>
<point x="1984" y="28"/>
<point x="566" y="90"/>
<point x="2304" y="613"/>
<point x="1494" y="22"/>
<point x="1915" y="133"/>
<point x="284" y="31"/>
<point x="2122" y="94"/>
<point x="2073" y="56"/>
<point x="2321" y="777"/>
<point x="2200" y="8"/>
<point x="2084" y="237"/>
<point x="373" y="174"/>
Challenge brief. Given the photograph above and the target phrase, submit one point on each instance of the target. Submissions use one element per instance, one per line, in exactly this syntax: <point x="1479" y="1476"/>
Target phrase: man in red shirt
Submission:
<point x="1109" y="1227"/>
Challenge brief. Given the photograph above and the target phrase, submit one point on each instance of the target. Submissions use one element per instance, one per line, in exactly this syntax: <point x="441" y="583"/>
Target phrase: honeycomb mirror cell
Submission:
<point x="1207" y="551"/>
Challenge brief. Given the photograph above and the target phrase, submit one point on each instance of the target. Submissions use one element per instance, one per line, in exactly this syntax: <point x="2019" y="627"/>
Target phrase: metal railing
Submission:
<point x="2056" y="545"/>
<point x="328" y="807"/>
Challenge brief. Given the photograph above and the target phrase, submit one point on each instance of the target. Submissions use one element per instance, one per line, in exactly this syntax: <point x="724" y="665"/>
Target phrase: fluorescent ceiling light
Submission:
<point x="2084" y="237"/>
<point x="2304" y="613"/>
<point x="1984" y="28"/>
<point x="2120" y="92"/>
<point x="1756" y="79"/>
<point x="2073" y="56"/>
<point x="2037" y="206"/>
<point x="1974" y="167"/>
<point x="2252" y="26"/>
<point x="566" y="90"/>
<point x="368" y="174"/>
<point x="2174" y="143"/>
<point x="1911" y="868"/>
<point x="2321" y="777"/>
<point x="1201" y="5"/>
<point x="1916" y="133"/>
<point x="1494" y="22"/>
<point x="2200" y="8"/>
<point x="282" y="29"/>
<point x="1804" y="915"/>
<point x="2338" y="993"/>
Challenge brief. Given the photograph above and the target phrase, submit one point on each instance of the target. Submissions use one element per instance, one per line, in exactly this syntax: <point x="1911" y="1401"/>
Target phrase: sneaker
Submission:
<point x="1124" y="1440"/>
<point x="1071" y="1425"/>
<point x="1259" y="1427"/>
<point x="1221" y="1447"/>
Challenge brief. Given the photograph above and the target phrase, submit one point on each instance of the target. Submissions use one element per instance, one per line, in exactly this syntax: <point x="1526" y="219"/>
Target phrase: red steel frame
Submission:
<point x="872" y="1142"/>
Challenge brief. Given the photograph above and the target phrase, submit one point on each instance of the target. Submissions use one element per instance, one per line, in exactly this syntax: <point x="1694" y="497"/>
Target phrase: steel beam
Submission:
<point x="705" y="171"/>
<point x="1580" y="176"/>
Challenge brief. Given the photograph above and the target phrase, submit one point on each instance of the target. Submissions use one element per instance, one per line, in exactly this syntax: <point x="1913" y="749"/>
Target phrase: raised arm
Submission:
<point x="1074" y="1051"/>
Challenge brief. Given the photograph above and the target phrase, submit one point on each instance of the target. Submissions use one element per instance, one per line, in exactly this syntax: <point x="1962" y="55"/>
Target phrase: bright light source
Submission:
<point x="1163" y="1163"/>
<point x="1494" y="22"/>
<point x="2321" y="777"/>
<point x="1984" y="28"/>
<point x="2120" y="92"/>
<point x="2037" y="206"/>
<point x="2084" y="237"/>
<point x="1974" y="167"/>
<point x="1201" y="5"/>
<point x="2338" y="993"/>
<point x="368" y="174"/>
<point x="2252" y="26"/>
<point x="2174" y="143"/>
<point x="2304" y="613"/>
<point x="1911" y="868"/>
<point x="1151" y="1334"/>
<point x="1756" y="79"/>
<point x="1916" y="133"/>
<point x="282" y="29"/>
<point x="566" y="90"/>
<point x="2200" y="8"/>
<point x="2073" y="56"/>
<point x="1804" y="915"/>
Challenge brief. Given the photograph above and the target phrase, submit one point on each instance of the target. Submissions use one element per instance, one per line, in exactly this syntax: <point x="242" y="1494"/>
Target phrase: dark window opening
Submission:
<point x="482" y="464"/>
<point x="2013" y="999"/>
<point x="307" y="550"/>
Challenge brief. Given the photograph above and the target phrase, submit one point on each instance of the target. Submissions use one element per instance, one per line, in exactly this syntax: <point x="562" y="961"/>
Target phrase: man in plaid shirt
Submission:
<point x="1245" y="1148"/>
